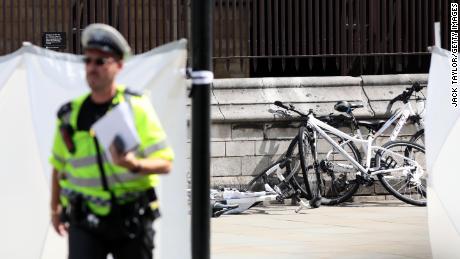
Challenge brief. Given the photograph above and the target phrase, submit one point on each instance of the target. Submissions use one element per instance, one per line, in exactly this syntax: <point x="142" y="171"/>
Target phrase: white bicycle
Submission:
<point x="333" y="164"/>
<point x="399" y="165"/>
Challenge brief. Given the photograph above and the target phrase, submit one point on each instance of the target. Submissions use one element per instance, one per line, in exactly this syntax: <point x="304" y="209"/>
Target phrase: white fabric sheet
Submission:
<point x="34" y="82"/>
<point x="442" y="139"/>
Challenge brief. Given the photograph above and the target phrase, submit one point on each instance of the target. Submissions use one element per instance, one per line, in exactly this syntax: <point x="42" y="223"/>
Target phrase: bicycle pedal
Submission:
<point x="388" y="163"/>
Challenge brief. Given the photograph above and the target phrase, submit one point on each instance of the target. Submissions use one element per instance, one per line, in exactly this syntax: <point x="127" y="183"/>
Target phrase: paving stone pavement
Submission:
<point x="378" y="229"/>
<point x="381" y="229"/>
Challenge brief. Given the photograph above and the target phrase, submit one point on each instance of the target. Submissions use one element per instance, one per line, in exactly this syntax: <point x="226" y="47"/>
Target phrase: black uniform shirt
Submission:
<point x="90" y="112"/>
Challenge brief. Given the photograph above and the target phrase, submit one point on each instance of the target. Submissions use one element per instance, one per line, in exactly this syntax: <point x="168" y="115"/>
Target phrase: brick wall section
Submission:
<point x="246" y="136"/>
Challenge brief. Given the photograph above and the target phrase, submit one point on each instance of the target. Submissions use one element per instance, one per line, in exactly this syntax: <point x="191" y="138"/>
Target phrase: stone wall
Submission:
<point x="247" y="135"/>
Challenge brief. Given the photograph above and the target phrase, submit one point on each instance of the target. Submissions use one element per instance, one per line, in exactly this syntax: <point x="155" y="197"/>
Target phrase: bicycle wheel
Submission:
<point x="311" y="175"/>
<point x="418" y="138"/>
<point x="293" y="169"/>
<point x="268" y="180"/>
<point x="338" y="174"/>
<point x="264" y="181"/>
<point x="409" y="183"/>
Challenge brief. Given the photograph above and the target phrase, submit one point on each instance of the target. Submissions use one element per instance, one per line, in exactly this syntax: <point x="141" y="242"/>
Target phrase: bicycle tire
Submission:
<point x="412" y="151"/>
<point x="258" y="182"/>
<point x="293" y="169"/>
<point x="312" y="179"/>
<point x="338" y="186"/>
<point x="292" y="182"/>
<point x="418" y="137"/>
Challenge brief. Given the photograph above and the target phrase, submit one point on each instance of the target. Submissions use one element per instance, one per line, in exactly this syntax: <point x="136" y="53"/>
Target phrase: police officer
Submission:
<point x="106" y="207"/>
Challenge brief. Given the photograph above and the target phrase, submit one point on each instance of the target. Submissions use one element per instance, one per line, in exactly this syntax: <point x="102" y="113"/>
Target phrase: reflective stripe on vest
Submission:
<point x="154" y="148"/>
<point x="84" y="161"/>
<point x="92" y="160"/>
<point x="96" y="181"/>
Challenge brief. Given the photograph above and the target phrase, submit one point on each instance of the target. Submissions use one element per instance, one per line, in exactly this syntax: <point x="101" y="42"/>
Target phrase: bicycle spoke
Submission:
<point x="409" y="187"/>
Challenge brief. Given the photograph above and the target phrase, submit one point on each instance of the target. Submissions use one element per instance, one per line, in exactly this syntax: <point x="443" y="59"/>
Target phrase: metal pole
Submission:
<point x="201" y="61"/>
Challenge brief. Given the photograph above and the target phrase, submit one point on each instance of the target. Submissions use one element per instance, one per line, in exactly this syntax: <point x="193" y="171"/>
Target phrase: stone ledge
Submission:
<point x="285" y="82"/>
<point x="251" y="99"/>
<point x="397" y="79"/>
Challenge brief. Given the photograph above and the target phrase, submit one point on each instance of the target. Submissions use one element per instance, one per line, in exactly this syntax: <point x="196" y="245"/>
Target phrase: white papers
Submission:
<point x="118" y="121"/>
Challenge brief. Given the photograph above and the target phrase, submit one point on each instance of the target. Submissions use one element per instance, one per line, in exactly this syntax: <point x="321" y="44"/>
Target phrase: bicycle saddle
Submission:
<point x="344" y="106"/>
<point x="374" y="125"/>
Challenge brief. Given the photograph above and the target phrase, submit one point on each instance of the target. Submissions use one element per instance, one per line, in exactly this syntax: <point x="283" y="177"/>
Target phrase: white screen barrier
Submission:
<point x="34" y="82"/>
<point x="442" y="140"/>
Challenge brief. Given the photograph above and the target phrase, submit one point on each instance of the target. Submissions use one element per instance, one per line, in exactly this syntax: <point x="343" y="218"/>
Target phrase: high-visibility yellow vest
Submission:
<point x="79" y="172"/>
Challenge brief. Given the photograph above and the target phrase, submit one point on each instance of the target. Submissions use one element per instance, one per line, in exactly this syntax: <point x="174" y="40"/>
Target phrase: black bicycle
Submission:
<point x="286" y="179"/>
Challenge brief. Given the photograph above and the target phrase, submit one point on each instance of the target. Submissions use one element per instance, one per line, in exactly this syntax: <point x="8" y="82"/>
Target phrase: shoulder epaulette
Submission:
<point x="64" y="110"/>
<point x="132" y="92"/>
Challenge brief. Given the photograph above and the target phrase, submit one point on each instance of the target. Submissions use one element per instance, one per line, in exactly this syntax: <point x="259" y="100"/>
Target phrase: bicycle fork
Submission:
<point x="283" y="189"/>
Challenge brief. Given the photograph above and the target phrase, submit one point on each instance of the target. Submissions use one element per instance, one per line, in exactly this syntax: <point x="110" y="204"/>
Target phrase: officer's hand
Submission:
<point x="127" y="160"/>
<point x="59" y="227"/>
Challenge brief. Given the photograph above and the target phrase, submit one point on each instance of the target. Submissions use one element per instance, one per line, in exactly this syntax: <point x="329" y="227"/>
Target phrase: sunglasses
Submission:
<point x="97" y="61"/>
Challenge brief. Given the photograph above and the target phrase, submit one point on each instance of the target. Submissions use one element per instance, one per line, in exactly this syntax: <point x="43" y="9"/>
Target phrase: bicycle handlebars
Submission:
<point x="405" y="95"/>
<point x="292" y="108"/>
<point x="280" y="104"/>
<point x="335" y="120"/>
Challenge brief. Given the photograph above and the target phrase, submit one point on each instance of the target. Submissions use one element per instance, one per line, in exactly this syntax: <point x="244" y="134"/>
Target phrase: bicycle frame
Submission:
<point x="319" y="126"/>
<point x="403" y="115"/>
<point x="276" y="168"/>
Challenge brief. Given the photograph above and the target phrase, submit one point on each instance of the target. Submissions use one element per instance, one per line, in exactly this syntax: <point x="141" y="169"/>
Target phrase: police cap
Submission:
<point x="106" y="38"/>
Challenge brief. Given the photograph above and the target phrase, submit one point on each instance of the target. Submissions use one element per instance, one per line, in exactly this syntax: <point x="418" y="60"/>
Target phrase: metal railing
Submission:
<point x="144" y="23"/>
<point x="253" y="37"/>
<point x="338" y="37"/>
